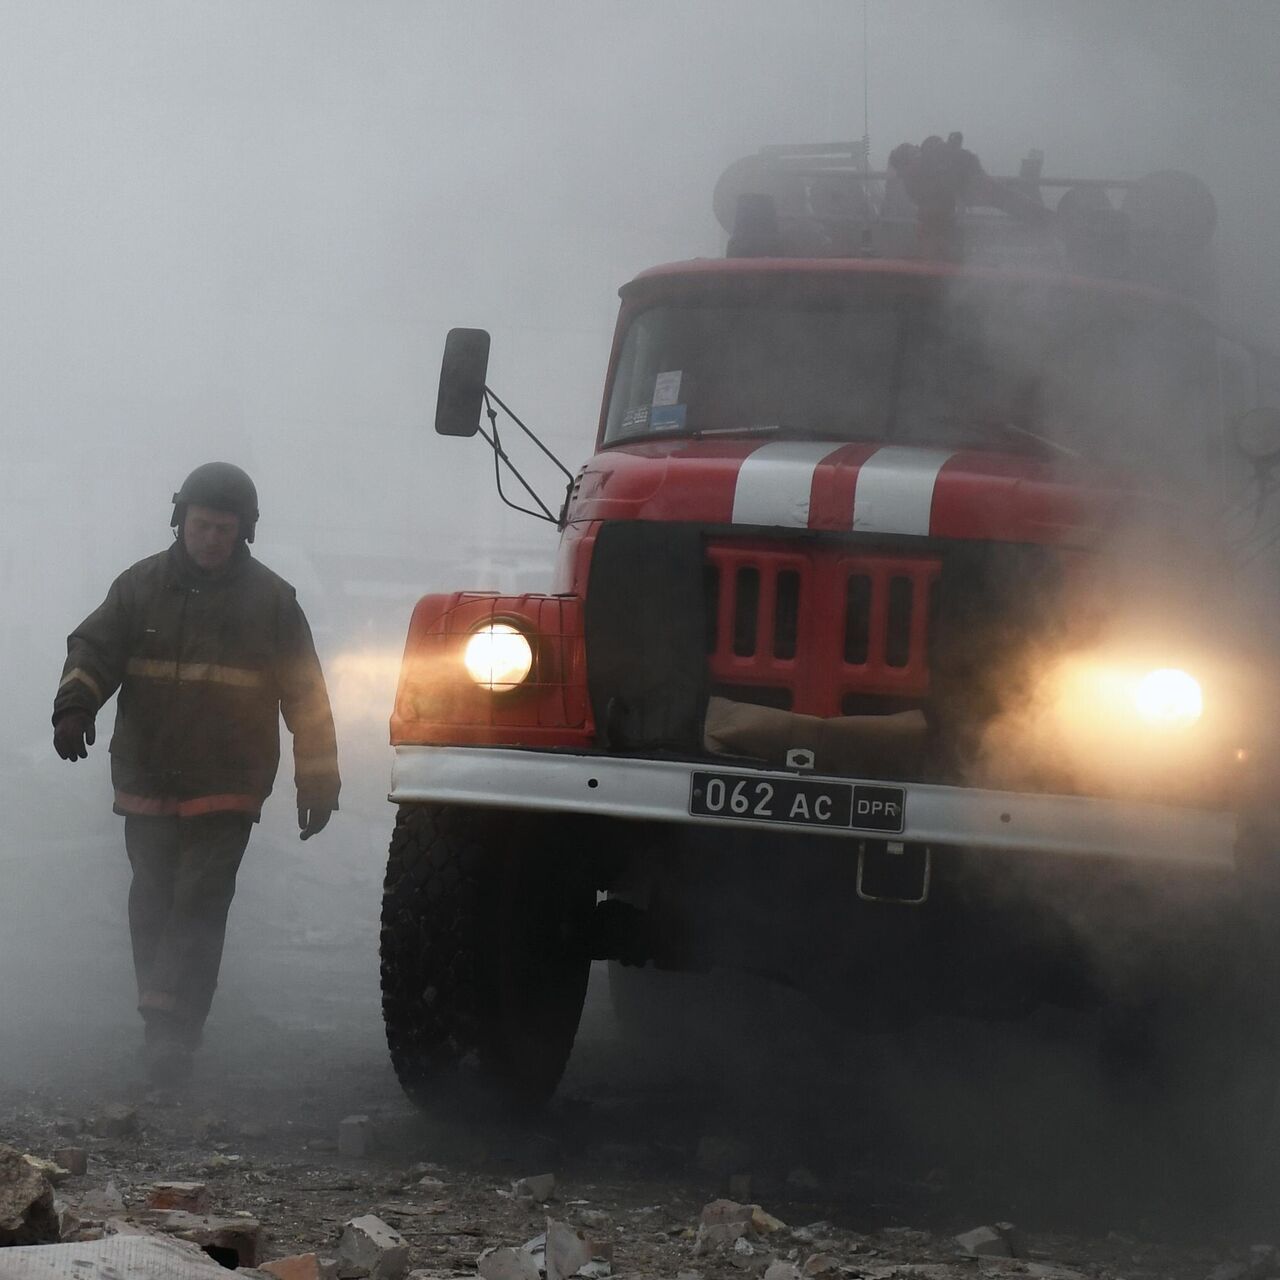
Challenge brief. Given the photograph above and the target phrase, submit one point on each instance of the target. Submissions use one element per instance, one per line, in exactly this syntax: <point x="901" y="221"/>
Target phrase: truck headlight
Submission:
<point x="1168" y="699"/>
<point x="1100" y="697"/>
<point x="498" y="656"/>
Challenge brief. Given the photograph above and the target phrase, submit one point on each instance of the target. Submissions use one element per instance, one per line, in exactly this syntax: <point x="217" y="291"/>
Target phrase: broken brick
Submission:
<point x="191" y="1197"/>
<point x="301" y="1266"/>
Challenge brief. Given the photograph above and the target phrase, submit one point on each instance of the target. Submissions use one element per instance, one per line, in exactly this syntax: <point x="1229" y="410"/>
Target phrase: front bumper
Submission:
<point x="658" y="791"/>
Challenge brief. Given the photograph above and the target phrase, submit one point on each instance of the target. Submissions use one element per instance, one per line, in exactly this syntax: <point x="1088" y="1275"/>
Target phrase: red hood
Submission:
<point x="886" y="489"/>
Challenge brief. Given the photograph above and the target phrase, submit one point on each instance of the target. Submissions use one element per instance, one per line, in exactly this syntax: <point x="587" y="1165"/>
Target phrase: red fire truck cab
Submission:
<point x="899" y="648"/>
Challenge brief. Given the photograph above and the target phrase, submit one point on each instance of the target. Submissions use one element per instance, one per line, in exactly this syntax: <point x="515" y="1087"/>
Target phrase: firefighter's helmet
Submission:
<point x="223" y="487"/>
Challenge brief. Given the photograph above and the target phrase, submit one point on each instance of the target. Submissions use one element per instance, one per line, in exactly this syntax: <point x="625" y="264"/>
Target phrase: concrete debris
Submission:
<point x="596" y="1269"/>
<point x="371" y="1248"/>
<point x="116" y="1121"/>
<point x="301" y="1266"/>
<point x="191" y="1197"/>
<point x="27" y="1214"/>
<point x="237" y="1239"/>
<point x="433" y="1185"/>
<point x="723" y="1156"/>
<point x="537" y="1189"/>
<point x="814" y="1231"/>
<point x="102" y="1202"/>
<point x="744" y="1248"/>
<point x="570" y="1252"/>
<point x="984" y="1242"/>
<point x="765" y="1224"/>
<point x="355" y="1136"/>
<point x="506" y="1263"/>
<point x="821" y="1264"/>
<point x="780" y="1270"/>
<point x="140" y="1257"/>
<point x="51" y="1169"/>
<point x="68" y="1220"/>
<point x="723" y="1223"/>
<point x="75" y="1160"/>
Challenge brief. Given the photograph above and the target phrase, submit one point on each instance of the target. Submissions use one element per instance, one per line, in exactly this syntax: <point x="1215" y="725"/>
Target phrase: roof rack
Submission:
<point x="820" y="200"/>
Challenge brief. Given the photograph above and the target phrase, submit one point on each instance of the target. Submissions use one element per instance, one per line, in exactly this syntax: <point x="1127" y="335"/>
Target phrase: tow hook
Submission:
<point x="894" y="871"/>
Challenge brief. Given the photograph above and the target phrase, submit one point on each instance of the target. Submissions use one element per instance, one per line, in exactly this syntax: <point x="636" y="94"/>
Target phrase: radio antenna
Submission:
<point x="866" y="90"/>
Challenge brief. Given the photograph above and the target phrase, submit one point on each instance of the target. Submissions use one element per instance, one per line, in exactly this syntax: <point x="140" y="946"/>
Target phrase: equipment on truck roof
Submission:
<point x="936" y="200"/>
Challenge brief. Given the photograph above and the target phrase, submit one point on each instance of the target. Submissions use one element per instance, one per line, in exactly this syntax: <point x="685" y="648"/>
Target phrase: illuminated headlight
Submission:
<point x="498" y="656"/>
<point x="1168" y="699"/>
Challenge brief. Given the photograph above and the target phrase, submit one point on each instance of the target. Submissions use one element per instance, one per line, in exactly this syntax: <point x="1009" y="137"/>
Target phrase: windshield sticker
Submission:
<point x="666" y="388"/>
<point x="667" y="417"/>
<point x="636" y="419"/>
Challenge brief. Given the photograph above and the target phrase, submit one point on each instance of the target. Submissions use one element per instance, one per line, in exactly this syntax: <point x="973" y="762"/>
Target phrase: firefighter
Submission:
<point x="207" y="648"/>
<point x="936" y="175"/>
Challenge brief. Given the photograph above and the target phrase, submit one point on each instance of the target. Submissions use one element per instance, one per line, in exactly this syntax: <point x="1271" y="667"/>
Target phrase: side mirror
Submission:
<point x="462" y="376"/>
<point x="1256" y="433"/>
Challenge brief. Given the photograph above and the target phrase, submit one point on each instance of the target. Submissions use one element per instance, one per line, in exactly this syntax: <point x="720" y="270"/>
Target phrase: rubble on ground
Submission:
<point x="301" y="1266"/>
<point x="984" y="1242"/>
<point x="75" y="1160"/>
<point x="355" y="1136"/>
<point x="505" y="1263"/>
<point x="370" y="1248"/>
<point x="237" y="1238"/>
<point x="27" y="1214"/>
<point x="116" y="1121"/>
<point x="147" y="1257"/>
<point x="192" y="1197"/>
<point x="537" y="1189"/>
<point x="571" y="1252"/>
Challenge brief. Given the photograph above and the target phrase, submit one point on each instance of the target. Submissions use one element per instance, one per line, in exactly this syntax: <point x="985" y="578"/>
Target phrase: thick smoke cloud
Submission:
<point x="241" y="230"/>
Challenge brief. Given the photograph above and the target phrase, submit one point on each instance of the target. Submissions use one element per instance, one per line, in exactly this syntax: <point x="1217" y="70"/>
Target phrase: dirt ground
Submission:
<point x="879" y="1151"/>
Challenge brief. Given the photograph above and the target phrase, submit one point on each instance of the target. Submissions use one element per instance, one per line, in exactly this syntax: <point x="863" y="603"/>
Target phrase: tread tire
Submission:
<point x="483" y="961"/>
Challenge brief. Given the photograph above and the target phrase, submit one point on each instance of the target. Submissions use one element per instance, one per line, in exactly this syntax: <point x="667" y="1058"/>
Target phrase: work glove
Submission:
<point x="73" y="735"/>
<point x="313" y="819"/>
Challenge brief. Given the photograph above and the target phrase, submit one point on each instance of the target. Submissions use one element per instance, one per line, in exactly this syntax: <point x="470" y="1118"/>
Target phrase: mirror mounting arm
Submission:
<point x="501" y="459"/>
<point x="488" y="394"/>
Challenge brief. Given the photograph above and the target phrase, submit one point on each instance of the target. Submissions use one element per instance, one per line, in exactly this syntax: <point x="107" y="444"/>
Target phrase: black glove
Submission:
<point x="73" y="735"/>
<point x="313" y="819"/>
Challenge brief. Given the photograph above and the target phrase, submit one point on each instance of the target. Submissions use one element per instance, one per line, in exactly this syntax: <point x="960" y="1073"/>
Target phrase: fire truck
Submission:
<point x="906" y="643"/>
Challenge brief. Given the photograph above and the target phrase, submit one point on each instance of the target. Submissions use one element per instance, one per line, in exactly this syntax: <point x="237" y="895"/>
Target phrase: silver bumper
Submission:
<point x="658" y="791"/>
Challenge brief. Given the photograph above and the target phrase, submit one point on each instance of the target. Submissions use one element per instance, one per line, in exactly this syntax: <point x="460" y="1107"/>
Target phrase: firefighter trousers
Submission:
<point x="184" y="877"/>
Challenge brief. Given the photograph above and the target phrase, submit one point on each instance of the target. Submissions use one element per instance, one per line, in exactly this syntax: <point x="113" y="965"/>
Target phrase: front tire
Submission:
<point x="484" y="956"/>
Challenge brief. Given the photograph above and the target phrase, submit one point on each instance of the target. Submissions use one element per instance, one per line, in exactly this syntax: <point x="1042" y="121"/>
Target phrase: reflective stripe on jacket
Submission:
<point x="204" y="666"/>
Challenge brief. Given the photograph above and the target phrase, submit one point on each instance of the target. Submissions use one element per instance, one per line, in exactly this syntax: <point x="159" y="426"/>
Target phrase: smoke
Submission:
<point x="241" y="231"/>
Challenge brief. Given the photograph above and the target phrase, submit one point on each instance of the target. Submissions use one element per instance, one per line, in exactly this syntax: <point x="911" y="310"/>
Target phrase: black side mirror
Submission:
<point x="1256" y="433"/>
<point x="462" y="377"/>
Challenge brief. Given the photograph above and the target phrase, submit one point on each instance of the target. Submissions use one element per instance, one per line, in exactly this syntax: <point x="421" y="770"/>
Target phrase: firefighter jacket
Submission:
<point x="205" y="666"/>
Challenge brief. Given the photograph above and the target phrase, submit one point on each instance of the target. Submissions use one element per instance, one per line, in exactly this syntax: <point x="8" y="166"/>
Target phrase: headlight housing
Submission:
<point x="498" y="656"/>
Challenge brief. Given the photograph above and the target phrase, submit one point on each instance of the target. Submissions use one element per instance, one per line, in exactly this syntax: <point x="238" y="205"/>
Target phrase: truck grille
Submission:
<point x="818" y="629"/>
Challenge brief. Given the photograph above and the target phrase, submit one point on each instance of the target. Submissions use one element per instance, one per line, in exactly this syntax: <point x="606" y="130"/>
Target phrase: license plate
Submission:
<point x="799" y="802"/>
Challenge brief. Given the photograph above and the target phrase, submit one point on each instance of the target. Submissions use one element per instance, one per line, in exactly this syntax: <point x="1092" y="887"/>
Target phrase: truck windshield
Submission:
<point x="1017" y="368"/>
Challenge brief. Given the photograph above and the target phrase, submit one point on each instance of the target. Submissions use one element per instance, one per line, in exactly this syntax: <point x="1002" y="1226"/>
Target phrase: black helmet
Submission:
<point x="223" y="487"/>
